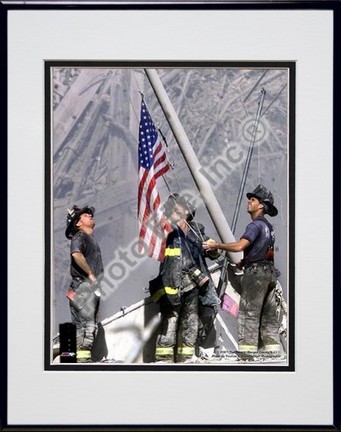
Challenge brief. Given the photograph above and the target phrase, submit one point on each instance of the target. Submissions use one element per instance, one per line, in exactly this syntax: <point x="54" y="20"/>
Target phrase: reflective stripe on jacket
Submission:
<point x="169" y="291"/>
<point x="177" y="258"/>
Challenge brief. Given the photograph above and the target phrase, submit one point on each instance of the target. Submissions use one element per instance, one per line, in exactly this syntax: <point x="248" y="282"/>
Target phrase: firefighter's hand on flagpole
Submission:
<point x="210" y="245"/>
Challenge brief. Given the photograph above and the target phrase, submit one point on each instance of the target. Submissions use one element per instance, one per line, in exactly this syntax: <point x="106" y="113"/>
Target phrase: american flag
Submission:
<point x="153" y="227"/>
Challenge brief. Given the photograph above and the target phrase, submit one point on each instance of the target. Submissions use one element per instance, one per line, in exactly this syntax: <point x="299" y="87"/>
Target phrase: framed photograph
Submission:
<point x="140" y="148"/>
<point x="240" y="148"/>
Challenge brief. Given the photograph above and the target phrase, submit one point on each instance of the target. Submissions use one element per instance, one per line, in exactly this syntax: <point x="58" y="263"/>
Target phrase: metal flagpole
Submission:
<point x="193" y="164"/>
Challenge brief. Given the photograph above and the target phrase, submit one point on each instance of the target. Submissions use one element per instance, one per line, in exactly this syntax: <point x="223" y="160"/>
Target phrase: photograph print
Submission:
<point x="169" y="227"/>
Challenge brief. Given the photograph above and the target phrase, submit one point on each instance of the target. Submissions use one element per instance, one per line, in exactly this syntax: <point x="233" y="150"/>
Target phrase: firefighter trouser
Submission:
<point x="257" y="319"/>
<point x="207" y="332"/>
<point x="179" y="330"/>
<point x="83" y="314"/>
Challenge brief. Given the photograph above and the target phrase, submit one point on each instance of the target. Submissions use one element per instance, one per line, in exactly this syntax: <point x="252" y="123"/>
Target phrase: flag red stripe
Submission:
<point x="153" y="226"/>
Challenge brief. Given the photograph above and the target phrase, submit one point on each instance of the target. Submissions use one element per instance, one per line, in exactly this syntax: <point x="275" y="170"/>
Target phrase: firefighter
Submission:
<point x="86" y="270"/>
<point x="186" y="286"/>
<point x="258" y="327"/>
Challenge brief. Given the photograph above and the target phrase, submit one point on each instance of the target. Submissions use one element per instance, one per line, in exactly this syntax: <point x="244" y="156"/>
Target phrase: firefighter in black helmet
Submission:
<point x="258" y="325"/>
<point x="186" y="286"/>
<point x="86" y="270"/>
